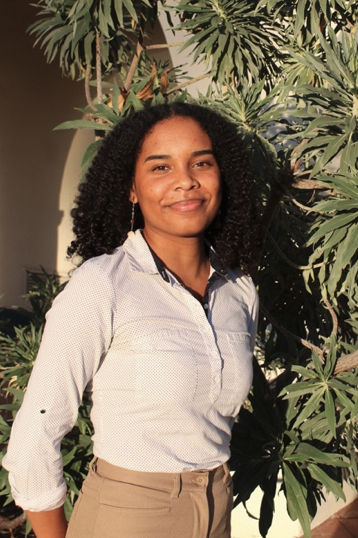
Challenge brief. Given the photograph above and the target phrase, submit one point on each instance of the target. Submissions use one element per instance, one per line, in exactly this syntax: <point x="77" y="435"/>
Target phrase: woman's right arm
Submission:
<point x="78" y="333"/>
<point x="50" y="524"/>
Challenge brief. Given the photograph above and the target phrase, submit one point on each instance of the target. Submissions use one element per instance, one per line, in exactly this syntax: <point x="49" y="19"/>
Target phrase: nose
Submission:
<point x="185" y="179"/>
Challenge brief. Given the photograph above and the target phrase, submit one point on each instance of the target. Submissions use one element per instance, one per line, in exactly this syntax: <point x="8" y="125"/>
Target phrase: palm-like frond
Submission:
<point x="329" y="130"/>
<point x="236" y="40"/>
<point x="68" y="30"/>
<point x="335" y="236"/>
<point x="255" y="115"/>
<point x="305" y="18"/>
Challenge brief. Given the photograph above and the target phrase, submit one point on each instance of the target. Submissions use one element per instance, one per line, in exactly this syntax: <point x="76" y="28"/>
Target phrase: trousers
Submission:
<point x="120" y="503"/>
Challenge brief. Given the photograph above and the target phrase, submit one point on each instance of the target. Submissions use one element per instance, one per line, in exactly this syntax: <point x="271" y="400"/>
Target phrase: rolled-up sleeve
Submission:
<point x="77" y="334"/>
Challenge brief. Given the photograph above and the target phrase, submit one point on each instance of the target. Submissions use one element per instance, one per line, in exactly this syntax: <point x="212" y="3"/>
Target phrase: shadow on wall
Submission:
<point x="35" y="98"/>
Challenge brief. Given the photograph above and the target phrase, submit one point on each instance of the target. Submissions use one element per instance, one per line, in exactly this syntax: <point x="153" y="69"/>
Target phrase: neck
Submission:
<point x="185" y="257"/>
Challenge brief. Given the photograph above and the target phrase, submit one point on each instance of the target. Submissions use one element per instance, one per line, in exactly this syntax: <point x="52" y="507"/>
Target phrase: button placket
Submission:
<point x="209" y="339"/>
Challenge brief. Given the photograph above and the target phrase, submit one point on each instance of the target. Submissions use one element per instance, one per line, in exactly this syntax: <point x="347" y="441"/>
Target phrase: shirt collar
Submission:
<point x="138" y="254"/>
<point x="142" y="259"/>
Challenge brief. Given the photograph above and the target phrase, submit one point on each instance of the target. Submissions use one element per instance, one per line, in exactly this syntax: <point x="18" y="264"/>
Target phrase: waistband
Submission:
<point x="174" y="482"/>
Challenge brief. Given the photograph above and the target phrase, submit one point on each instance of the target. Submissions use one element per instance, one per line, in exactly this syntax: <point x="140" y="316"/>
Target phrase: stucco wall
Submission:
<point x="34" y="99"/>
<point x="39" y="167"/>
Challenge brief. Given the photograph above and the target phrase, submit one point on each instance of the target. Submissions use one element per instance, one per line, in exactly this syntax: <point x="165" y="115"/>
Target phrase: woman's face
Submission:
<point x="177" y="179"/>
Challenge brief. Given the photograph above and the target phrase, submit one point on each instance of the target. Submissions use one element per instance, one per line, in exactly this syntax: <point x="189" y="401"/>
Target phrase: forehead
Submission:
<point x="176" y="132"/>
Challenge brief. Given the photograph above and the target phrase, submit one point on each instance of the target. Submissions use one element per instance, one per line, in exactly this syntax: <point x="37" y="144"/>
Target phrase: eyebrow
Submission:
<point x="194" y="154"/>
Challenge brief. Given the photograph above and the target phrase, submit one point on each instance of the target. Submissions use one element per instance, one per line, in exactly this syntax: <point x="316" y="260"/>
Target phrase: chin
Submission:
<point x="189" y="232"/>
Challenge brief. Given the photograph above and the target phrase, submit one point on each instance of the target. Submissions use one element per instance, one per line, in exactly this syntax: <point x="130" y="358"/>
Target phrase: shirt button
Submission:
<point x="206" y="306"/>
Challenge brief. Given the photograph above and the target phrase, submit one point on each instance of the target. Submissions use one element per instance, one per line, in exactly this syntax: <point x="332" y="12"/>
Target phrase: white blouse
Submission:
<point x="166" y="378"/>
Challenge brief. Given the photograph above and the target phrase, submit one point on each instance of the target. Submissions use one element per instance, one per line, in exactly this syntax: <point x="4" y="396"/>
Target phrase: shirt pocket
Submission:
<point x="165" y="366"/>
<point x="239" y="370"/>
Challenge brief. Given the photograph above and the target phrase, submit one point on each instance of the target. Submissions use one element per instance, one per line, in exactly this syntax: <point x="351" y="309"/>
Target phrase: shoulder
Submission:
<point x="245" y="286"/>
<point x="244" y="281"/>
<point x="100" y="269"/>
<point x="94" y="283"/>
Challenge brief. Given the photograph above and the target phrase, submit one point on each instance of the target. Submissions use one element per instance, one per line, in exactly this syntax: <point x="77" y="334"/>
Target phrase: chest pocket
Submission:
<point x="237" y="368"/>
<point x="165" y="366"/>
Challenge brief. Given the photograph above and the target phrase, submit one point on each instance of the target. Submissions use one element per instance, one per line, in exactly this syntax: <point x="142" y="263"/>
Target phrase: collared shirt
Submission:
<point x="216" y="271"/>
<point x="166" y="381"/>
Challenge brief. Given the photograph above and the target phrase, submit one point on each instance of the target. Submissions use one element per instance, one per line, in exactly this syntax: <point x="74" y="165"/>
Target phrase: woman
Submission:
<point x="158" y="328"/>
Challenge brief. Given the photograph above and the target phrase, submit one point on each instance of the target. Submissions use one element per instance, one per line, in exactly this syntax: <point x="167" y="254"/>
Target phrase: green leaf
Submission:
<point x="19" y="394"/>
<point x="330" y="412"/>
<point x="329" y="153"/>
<point x="329" y="483"/>
<point x="331" y="224"/>
<point x="299" y="389"/>
<point x="296" y="496"/>
<point x="310" y="407"/>
<point x="89" y="153"/>
<point x="83" y="124"/>
<point x="115" y="97"/>
<point x="118" y="6"/>
<point x="318" y="456"/>
<point x="304" y="372"/>
<point x="130" y="8"/>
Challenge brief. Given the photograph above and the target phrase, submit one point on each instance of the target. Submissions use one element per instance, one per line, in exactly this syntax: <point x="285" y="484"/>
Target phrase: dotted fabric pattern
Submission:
<point x="165" y="377"/>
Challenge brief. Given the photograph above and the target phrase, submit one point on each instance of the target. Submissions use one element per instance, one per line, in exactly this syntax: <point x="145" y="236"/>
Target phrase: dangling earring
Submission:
<point x="131" y="232"/>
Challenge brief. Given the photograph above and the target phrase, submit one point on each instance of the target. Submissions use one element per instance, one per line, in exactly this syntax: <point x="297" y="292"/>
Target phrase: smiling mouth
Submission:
<point x="187" y="205"/>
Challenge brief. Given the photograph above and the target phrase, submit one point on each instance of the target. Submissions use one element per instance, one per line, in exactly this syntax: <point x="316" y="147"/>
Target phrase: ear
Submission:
<point x="133" y="195"/>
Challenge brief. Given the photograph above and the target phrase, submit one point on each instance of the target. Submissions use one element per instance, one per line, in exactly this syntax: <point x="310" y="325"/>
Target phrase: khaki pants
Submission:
<point x="119" y="503"/>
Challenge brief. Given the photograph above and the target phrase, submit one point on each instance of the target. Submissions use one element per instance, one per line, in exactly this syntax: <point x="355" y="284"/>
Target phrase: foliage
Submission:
<point x="304" y="19"/>
<point x="236" y="39"/>
<point x="286" y="74"/>
<point x="68" y="29"/>
<point x="296" y="433"/>
<point x="336" y="237"/>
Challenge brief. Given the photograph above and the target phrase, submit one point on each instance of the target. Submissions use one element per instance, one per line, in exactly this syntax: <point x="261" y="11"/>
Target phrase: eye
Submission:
<point x="160" y="168"/>
<point x="202" y="164"/>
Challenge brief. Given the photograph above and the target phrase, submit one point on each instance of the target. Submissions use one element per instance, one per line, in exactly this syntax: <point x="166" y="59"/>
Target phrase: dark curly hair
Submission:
<point x="102" y="213"/>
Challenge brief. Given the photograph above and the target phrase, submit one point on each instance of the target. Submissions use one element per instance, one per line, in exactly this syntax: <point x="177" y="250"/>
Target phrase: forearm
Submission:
<point x="50" y="524"/>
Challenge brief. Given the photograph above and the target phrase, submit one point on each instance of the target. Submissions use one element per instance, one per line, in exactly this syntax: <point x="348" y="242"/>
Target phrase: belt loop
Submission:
<point x="93" y="464"/>
<point x="177" y="486"/>
<point x="227" y="475"/>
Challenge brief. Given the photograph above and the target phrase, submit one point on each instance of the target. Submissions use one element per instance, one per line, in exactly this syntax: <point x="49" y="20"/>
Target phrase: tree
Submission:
<point x="286" y="73"/>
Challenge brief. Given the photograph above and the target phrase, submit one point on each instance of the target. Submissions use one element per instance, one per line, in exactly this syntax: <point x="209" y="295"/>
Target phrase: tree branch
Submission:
<point x="136" y="57"/>
<point x="298" y="204"/>
<point x="11" y="524"/>
<point x="98" y="67"/>
<point x="310" y="184"/>
<point x="187" y="83"/>
<point x="286" y="332"/>
<point x="133" y="67"/>
<point x="87" y="88"/>
<point x="288" y="261"/>
<point x="163" y="45"/>
<point x="347" y="362"/>
<point x="333" y="316"/>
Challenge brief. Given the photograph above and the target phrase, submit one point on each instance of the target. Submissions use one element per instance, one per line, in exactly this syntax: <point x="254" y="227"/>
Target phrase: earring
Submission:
<point x="131" y="232"/>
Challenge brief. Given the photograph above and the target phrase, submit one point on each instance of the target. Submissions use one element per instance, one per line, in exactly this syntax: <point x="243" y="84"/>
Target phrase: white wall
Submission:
<point x="34" y="99"/>
<point x="39" y="167"/>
